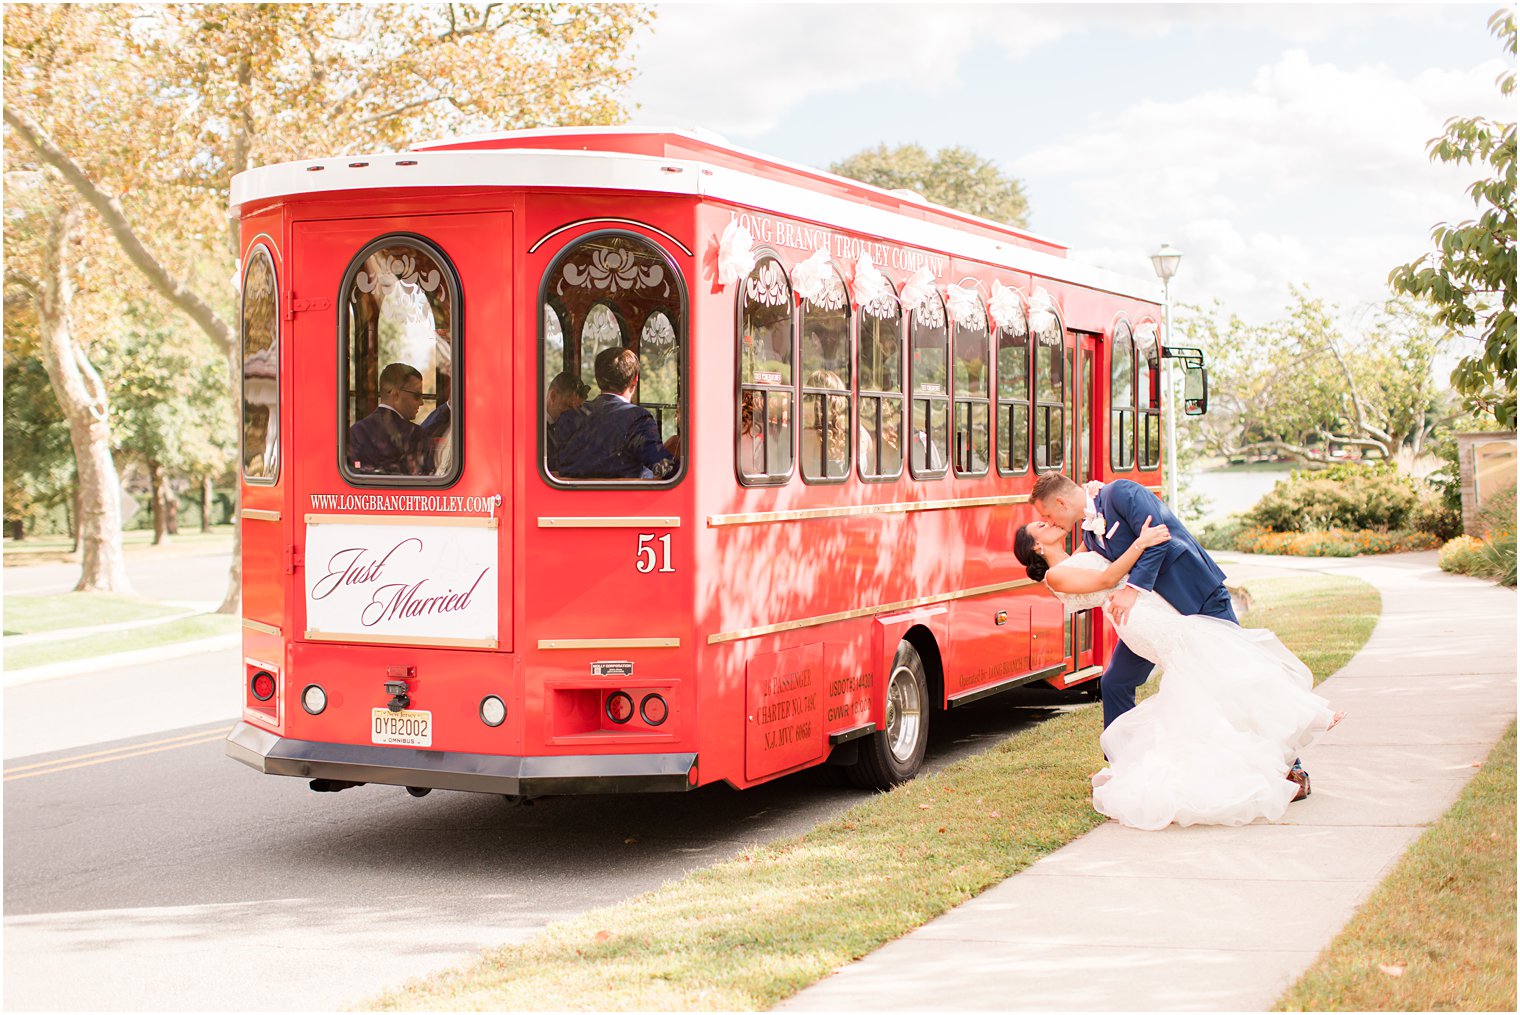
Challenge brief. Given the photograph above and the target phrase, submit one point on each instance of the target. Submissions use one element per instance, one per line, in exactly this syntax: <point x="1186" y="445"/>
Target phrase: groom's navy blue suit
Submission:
<point x="1178" y="570"/>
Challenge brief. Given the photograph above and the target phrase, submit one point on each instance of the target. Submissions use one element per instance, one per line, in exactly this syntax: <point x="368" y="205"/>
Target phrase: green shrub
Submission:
<point x="1499" y="556"/>
<point x="1221" y="535"/>
<point x="1433" y="515"/>
<point x="1496" y="521"/>
<point x="1342" y="496"/>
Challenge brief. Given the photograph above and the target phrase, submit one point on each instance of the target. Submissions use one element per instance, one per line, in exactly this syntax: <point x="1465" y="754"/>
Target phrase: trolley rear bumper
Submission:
<point x="477" y="773"/>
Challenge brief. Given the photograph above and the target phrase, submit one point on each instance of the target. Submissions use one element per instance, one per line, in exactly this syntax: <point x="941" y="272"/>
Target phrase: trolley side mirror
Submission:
<point x="1195" y="390"/>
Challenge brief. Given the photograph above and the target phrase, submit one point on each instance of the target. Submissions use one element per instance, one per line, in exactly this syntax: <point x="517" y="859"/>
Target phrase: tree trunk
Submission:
<point x="158" y="482"/>
<point x="71" y="514"/>
<point x="171" y="507"/>
<point x="18" y="529"/>
<point x="85" y="403"/>
<point x="206" y="494"/>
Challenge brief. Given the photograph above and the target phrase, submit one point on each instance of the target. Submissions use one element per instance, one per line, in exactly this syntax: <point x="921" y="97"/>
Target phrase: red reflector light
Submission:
<point x="654" y="709"/>
<point x="262" y="685"/>
<point x="619" y="707"/>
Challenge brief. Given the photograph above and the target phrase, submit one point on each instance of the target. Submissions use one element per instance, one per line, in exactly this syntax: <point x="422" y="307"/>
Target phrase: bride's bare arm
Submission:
<point x="1076" y="581"/>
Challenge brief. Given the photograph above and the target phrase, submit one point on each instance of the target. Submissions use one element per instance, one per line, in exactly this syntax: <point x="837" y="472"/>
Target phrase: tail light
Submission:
<point x="262" y="685"/>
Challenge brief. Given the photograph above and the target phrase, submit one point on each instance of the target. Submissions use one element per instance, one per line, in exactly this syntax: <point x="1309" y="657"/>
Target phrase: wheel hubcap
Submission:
<point x="904" y="711"/>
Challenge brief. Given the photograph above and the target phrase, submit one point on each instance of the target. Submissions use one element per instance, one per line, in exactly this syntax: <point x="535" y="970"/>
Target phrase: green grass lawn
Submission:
<point x="36" y="614"/>
<point x="205" y="625"/>
<point x="748" y="933"/>
<point x="1439" y="933"/>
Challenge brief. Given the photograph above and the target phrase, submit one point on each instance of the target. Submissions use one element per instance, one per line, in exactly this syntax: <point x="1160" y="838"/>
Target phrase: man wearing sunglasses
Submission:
<point x="387" y="440"/>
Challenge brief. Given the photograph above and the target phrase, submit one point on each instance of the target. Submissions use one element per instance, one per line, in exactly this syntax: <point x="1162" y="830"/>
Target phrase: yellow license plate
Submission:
<point x="407" y="728"/>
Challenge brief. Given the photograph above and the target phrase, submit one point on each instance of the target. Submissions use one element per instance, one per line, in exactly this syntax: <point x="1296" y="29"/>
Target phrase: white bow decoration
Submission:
<point x="916" y="291"/>
<point x="816" y="281"/>
<point x="1042" y="311"/>
<point x="965" y="307"/>
<point x="736" y="255"/>
<point x="873" y="293"/>
<point x="1007" y="309"/>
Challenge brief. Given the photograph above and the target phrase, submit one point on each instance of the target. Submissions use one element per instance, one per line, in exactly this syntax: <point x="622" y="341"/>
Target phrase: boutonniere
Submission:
<point x="1097" y="525"/>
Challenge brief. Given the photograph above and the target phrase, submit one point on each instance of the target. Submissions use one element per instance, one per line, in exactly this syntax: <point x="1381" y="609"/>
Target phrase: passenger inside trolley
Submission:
<point x="614" y="438"/>
<point x="387" y="440"/>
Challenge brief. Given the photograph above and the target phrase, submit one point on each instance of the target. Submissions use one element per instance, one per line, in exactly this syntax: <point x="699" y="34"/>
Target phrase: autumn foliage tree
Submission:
<point x="146" y="112"/>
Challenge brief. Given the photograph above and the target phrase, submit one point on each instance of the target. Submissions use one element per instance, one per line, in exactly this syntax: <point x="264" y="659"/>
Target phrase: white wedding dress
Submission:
<point x="1213" y="745"/>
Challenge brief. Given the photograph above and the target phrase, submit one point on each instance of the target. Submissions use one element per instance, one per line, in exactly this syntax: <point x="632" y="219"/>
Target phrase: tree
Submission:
<point x="39" y="460"/>
<point x="147" y="111"/>
<point x="1299" y="388"/>
<point x="954" y="177"/>
<point x="1470" y="276"/>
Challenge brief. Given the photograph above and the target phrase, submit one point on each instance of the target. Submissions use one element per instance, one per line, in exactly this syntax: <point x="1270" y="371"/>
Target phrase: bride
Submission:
<point x="1214" y="744"/>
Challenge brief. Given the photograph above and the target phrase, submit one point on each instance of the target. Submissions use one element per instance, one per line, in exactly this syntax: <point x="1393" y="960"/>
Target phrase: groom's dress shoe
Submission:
<point x="1297" y="775"/>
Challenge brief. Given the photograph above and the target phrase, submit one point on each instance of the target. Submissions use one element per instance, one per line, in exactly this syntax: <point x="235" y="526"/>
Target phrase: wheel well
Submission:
<point x="922" y="639"/>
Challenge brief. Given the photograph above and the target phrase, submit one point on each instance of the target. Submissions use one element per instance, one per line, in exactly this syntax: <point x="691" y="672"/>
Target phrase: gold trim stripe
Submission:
<point x="901" y="507"/>
<point x="609" y="522"/>
<point x="462" y="521"/>
<point x="261" y="627"/>
<point x="575" y="643"/>
<point x="396" y="639"/>
<point x="259" y="515"/>
<point x="829" y="618"/>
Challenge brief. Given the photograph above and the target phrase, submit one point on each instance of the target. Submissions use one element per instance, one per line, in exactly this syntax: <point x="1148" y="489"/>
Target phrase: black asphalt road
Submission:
<point x="158" y="873"/>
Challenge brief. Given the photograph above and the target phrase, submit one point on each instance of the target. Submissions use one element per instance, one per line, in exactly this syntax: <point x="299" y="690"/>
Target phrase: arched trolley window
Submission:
<point x="612" y="369"/>
<point x="881" y="376"/>
<point x="401" y="340"/>
<point x="928" y="344"/>
<point x="763" y="449"/>
<point x="260" y="327"/>
<point x="1049" y="390"/>
<point x="1013" y="392"/>
<point x="1121" y="399"/>
<point x="973" y="404"/>
<point x="1149" y="428"/>
<point x="826" y="445"/>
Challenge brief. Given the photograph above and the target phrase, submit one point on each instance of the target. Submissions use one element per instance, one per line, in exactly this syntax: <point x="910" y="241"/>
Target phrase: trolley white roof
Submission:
<point x="550" y="169"/>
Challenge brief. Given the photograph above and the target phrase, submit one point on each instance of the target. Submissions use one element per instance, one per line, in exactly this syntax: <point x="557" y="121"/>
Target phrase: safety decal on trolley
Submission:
<point x="424" y="584"/>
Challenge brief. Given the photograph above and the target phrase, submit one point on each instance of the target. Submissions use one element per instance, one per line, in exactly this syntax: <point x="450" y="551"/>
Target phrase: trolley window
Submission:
<point x="928" y="343"/>
<point x="400" y="339"/>
<point x="826" y="445"/>
<point x="881" y="375"/>
<point x="1013" y="394"/>
<point x="764" y="448"/>
<point x="1050" y="391"/>
<point x="1150" y="397"/>
<point x="614" y="326"/>
<point x="1121" y="400"/>
<point x="261" y="369"/>
<point x="973" y="402"/>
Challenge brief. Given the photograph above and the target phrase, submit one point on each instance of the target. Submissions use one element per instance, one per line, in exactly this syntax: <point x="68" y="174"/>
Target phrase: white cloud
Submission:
<point x="1313" y="173"/>
<point x="741" y="69"/>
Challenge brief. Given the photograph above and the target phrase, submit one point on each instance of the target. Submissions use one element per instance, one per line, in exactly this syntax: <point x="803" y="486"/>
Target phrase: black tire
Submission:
<point x="895" y="754"/>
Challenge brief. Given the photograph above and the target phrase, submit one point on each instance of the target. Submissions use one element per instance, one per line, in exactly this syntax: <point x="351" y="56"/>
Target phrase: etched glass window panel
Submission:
<point x="765" y="327"/>
<point x="261" y="370"/>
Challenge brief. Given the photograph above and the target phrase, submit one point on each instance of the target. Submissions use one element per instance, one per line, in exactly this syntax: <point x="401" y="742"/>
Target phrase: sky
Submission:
<point x="1273" y="144"/>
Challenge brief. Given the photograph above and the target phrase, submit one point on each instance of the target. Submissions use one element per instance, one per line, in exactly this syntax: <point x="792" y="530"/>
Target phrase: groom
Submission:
<point x="1178" y="570"/>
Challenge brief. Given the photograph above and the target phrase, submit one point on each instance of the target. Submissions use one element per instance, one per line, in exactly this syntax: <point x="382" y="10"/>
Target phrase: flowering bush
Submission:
<point x="1334" y="542"/>
<point x="1463" y="555"/>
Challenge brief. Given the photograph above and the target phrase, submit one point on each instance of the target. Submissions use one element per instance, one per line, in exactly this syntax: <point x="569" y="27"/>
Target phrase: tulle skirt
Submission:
<point x="1213" y="745"/>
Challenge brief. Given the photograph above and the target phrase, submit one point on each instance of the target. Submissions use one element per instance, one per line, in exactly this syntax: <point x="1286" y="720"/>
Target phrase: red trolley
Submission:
<point x="850" y="393"/>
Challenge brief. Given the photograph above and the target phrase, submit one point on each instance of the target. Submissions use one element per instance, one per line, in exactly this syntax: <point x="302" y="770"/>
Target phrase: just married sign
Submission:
<point x="422" y="580"/>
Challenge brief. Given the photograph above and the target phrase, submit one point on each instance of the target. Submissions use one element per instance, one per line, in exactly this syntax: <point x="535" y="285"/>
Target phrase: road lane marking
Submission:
<point x="113" y="754"/>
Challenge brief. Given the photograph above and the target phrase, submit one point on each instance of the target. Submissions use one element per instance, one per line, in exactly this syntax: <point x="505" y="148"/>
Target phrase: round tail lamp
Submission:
<point x="314" y="699"/>
<point x="654" y="709"/>
<point x="619" y="707"/>
<point x="493" y="711"/>
<point x="262" y="685"/>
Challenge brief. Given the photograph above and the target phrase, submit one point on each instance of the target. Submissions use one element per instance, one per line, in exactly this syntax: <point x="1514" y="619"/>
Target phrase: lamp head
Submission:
<point x="1165" y="261"/>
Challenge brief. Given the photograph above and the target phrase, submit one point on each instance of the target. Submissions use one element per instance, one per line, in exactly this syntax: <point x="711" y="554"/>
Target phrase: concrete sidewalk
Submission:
<point x="1226" y="919"/>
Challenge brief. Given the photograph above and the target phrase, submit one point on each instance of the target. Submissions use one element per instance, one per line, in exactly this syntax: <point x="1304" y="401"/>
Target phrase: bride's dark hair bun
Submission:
<point x="1024" y="549"/>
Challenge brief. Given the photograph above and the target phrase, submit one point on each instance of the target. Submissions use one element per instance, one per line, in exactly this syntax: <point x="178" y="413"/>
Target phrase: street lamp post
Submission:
<point x="1165" y="262"/>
